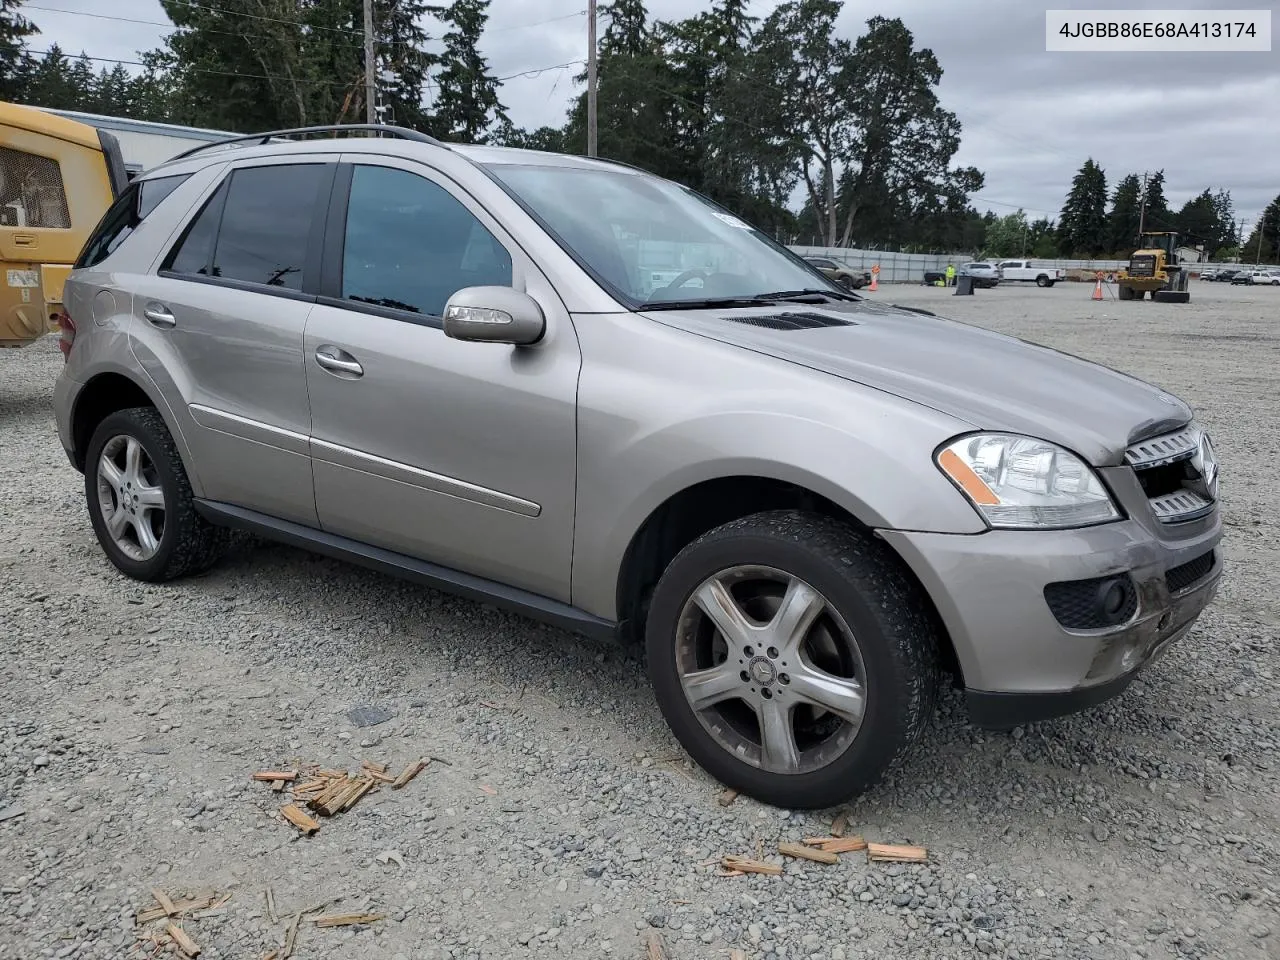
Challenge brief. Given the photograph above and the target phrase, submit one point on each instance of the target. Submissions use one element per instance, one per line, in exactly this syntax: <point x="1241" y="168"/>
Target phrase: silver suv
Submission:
<point x="575" y="390"/>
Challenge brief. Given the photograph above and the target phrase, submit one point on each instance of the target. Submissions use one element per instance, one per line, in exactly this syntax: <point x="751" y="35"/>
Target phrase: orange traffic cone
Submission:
<point x="875" y="279"/>
<point x="1097" y="289"/>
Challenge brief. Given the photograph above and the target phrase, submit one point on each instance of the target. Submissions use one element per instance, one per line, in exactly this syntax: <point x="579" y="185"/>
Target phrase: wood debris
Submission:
<point x="486" y="789"/>
<point x="655" y="946"/>
<point x="843" y="844"/>
<point x="184" y="942"/>
<point x="737" y="955"/>
<point x="273" y="955"/>
<point x="839" y="824"/>
<point x="271" y="906"/>
<point x="896" y="853"/>
<point x="747" y="865"/>
<point x="346" y="919"/>
<point x="293" y="813"/>
<point x="328" y="792"/>
<point x="728" y="797"/>
<point x="802" y="852"/>
<point x="166" y="904"/>
<point x="408" y="773"/>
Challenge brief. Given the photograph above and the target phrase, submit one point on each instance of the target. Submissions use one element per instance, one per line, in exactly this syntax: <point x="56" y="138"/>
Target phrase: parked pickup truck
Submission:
<point x="1029" y="270"/>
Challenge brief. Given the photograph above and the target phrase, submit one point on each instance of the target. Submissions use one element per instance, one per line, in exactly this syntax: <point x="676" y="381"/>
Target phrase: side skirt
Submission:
<point x="433" y="575"/>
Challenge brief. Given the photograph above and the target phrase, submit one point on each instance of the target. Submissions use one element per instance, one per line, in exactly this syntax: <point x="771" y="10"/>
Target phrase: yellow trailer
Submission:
<point x="57" y="179"/>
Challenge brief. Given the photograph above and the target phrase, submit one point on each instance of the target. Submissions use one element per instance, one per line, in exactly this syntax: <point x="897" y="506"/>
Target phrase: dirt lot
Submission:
<point x="566" y="821"/>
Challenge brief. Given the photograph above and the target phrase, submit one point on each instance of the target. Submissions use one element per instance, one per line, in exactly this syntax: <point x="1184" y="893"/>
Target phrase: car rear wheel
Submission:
<point x="845" y="281"/>
<point x="1043" y="281"/>
<point x="140" y="501"/>
<point x="790" y="657"/>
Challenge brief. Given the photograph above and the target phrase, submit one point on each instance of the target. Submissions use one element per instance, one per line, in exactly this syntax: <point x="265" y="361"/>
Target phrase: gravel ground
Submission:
<point x="566" y="822"/>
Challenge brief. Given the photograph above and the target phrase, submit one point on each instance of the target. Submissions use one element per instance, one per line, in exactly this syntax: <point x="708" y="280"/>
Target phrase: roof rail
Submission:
<point x="386" y="130"/>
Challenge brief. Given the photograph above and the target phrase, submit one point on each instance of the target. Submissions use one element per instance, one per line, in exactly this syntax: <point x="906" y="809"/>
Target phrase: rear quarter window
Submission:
<point x="122" y="218"/>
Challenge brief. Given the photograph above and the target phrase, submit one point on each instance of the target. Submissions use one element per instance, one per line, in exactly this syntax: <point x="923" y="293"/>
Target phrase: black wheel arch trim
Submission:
<point x="1003" y="711"/>
<point x="472" y="587"/>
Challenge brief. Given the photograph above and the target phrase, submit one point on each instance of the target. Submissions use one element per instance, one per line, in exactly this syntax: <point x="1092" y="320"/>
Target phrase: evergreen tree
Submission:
<point x="1157" y="216"/>
<point x="467" y="104"/>
<point x="1082" y="227"/>
<point x="14" y="62"/>
<point x="1263" y="243"/>
<point x="1122" y="222"/>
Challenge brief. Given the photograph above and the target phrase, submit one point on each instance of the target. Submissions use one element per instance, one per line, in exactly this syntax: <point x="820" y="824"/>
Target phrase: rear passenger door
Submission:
<point x="459" y="453"/>
<point x="220" y="326"/>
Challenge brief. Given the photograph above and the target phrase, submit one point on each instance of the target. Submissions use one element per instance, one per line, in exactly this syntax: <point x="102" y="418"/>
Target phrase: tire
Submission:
<point x="178" y="542"/>
<point x="870" y="630"/>
<point x="846" y="282"/>
<point x="1043" y="281"/>
<point x="1171" y="296"/>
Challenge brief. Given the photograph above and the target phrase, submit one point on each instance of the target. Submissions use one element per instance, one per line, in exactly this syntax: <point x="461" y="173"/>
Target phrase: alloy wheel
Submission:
<point x="130" y="498"/>
<point x="771" y="669"/>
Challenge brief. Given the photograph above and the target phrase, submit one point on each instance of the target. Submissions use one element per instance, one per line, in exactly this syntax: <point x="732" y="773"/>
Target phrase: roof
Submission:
<point x="42" y="121"/>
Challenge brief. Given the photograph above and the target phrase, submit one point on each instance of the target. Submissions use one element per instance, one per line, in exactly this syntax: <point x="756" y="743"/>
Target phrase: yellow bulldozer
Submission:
<point x="1154" y="268"/>
<point x="57" y="178"/>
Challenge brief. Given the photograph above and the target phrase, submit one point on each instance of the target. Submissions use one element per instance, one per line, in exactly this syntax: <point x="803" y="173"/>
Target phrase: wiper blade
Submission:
<point x="811" y="295"/>
<point x="708" y="304"/>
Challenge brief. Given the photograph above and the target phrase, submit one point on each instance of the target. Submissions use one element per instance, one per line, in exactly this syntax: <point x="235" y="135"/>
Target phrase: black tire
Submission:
<point x="845" y="281"/>
<point x="1171" y="296"/>
<point x="874" y="594"/>
<point x="1043" y="281"/>
<point x="187" y="543"/>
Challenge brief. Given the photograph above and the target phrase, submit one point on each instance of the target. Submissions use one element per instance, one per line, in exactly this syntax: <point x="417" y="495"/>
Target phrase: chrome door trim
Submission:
<point x="248" y="429"/>
<point x="341" y="456"/>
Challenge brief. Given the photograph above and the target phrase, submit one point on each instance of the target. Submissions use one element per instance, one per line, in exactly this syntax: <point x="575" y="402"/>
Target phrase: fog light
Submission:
<point x="1093" y="604"/>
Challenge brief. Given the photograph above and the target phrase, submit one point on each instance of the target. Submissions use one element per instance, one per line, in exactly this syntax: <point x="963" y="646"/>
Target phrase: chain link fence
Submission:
<point x="896" y="267"/>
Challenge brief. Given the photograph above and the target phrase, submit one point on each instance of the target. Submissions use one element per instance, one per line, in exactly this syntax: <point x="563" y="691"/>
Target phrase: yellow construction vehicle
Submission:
<point x="57" y="178"/>
<point x="1155" y="268"/>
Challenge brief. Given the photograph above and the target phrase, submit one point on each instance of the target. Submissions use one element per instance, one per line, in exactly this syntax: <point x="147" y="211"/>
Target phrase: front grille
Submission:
<point x="1078" y="605"/>
<point x="792" y="321"/>
<point x="1144" y="266"/>
<point x="1188" y="574"/>
<point x="1169" y="469"/>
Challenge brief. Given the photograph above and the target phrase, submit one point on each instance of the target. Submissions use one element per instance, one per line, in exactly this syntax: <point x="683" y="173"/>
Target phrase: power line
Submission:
<point x="538" y="23"/>
<point x="540" y="70"/>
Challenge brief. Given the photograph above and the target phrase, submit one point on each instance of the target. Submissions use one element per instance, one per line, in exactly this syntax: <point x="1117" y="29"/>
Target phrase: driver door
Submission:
<point x="459" y="453"/>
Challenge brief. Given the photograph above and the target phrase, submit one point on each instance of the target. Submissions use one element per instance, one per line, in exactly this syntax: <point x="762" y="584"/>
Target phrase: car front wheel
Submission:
<point x="791" y="658"/>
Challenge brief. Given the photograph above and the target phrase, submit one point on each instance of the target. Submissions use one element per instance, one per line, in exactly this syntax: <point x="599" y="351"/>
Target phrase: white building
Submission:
<point x="145" y="144"/>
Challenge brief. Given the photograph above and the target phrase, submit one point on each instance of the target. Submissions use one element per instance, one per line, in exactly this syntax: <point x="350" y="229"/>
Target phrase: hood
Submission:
<point x="990" y="380"/>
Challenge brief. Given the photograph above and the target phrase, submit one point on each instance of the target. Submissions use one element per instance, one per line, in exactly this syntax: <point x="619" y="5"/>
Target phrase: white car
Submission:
<point x="984" y="274"/>
<point x="1028" y="271"/>
<point x="1255" y="278"/>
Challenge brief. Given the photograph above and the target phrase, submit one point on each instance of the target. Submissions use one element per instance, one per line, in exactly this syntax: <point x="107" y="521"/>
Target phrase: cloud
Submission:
<point x="1030" y="117"/>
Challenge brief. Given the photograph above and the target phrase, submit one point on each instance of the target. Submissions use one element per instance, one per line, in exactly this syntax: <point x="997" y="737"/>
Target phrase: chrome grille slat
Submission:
<point x="1162" y="450"/>
<point x="1183" y="504"/>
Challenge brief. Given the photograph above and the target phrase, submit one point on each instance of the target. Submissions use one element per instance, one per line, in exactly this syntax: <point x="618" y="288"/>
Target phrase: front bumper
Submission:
<point x="1020" y="663"/>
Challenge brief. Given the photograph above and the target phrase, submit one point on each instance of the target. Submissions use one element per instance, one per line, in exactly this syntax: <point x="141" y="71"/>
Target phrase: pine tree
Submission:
<point x="467" y="105"/>
<point x="15" y="64"/>
<point x="1263" y="243"/>
<point x="1122" y="222"/>
<point x="1082" y="227"/>
<point x="1157" y="217"/>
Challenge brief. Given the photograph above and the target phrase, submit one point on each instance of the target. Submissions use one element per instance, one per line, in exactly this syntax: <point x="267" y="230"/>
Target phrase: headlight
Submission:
<point x="1023" y="483"/>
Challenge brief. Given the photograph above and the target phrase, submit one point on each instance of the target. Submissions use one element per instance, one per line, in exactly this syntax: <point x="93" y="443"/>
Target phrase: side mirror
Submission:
<point x="494" y="315"/>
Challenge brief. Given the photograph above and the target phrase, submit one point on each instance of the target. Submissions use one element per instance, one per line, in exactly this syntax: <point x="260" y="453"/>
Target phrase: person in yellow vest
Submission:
<point x="951" y="274"/>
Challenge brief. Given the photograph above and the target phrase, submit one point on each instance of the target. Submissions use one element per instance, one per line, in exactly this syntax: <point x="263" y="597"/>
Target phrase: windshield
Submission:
<point x="653" y="241"/>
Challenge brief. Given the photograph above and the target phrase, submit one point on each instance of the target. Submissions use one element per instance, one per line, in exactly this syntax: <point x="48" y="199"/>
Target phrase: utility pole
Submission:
<point x="1262" y="228"/>
<point x="1142" y="215"/>
<point x="370" y="66"/>
<point x="591" y="77"/>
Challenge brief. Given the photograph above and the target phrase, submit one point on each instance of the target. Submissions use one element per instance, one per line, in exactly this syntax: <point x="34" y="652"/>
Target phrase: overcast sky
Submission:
<point x="1030" y="117"/>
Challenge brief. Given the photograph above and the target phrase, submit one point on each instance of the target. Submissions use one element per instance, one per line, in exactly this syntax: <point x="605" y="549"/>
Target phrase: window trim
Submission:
<point x="329" y="293"/>
<point x="311" y="261"/>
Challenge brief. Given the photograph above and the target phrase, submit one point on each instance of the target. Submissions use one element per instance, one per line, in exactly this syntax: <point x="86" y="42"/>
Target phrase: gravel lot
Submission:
<point x="567" y="822"/>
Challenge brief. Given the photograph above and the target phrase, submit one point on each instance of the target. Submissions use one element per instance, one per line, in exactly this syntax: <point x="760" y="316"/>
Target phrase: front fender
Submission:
<point x="656" y="418"/>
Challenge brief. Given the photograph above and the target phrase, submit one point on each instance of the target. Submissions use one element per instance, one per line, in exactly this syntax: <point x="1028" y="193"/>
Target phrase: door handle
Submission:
<point x="338" y="361"/>
<point x="159" y="316"/>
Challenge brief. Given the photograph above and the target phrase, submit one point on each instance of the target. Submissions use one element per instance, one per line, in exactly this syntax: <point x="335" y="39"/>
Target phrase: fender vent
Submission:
<point x="792" y="321"/>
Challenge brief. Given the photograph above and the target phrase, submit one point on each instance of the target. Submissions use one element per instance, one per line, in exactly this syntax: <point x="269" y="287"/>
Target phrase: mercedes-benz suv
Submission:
<point x="576" y="390"/>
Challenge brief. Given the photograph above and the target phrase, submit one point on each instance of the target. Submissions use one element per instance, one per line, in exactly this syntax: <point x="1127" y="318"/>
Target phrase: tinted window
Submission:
<point x="410" y="245"/>
<point x="191" y="255"/>
<point x="129" y="210"/>
<point x="266" y="223"/>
